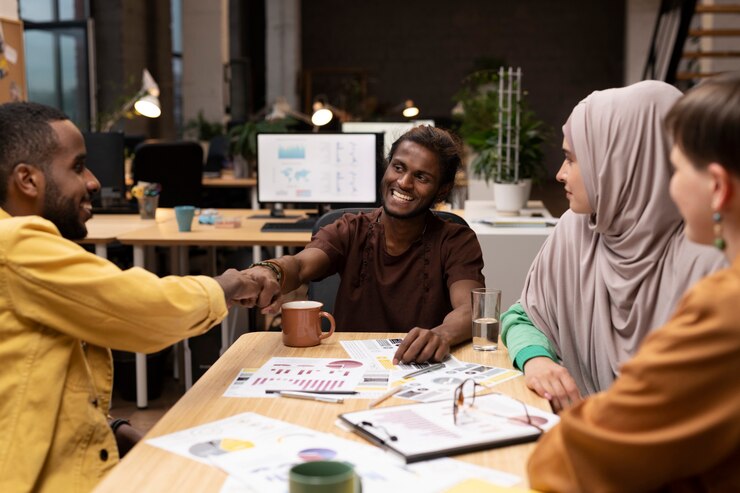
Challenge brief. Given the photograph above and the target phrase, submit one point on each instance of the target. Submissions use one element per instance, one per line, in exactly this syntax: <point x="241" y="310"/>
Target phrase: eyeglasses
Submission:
<point x="464" y="400"/>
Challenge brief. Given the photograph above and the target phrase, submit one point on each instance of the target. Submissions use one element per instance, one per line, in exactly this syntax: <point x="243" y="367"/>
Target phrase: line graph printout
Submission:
<point x="304" y="374"/>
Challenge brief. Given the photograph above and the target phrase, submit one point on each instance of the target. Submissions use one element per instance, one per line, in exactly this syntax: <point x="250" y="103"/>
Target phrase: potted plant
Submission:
<point x="478" y="102"/>
<point x="203" y="131"/>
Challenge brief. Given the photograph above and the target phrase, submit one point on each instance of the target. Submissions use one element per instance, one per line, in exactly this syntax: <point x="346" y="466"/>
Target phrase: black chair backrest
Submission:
<point x="177" y="166"/>
<point x="218" y="153"/>
<point x="325" y="290"/>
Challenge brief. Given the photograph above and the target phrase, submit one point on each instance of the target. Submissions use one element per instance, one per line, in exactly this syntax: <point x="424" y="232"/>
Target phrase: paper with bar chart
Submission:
<point x="302" y="374"/>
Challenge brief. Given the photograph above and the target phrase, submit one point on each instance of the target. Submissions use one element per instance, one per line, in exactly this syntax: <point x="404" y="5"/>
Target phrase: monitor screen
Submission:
<point x="318" y="168"/>
<point x="391" y="130"/>
<point x="105" y="158"/>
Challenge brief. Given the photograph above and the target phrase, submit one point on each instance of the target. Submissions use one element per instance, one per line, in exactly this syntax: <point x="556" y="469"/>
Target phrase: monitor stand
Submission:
<point x="276" y="212"/>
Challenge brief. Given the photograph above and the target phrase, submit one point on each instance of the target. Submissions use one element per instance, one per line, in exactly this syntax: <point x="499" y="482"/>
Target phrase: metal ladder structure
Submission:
<point x="693" y="40"/>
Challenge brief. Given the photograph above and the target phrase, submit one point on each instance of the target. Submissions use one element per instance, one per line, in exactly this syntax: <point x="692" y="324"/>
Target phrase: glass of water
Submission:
<point x="486" y="311"/>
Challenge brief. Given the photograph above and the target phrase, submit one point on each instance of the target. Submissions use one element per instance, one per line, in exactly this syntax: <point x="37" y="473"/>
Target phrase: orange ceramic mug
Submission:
<point x="302" y="323"/>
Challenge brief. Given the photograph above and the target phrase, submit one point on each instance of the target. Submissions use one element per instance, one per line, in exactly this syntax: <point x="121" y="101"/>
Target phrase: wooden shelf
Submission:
<point x="714" y="32"/>
<point x="718" y="9"/>
<point x="711" y="54"/>
<point x="695" y="75"/>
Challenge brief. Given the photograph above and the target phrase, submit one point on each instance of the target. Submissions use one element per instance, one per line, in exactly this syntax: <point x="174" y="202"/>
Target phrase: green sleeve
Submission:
<point x="523" y="340"/>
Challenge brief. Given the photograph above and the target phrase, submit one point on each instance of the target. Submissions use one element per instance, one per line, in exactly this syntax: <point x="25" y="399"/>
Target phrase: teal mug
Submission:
<point x="324" y="476"/>
<point x="184" y="215"/>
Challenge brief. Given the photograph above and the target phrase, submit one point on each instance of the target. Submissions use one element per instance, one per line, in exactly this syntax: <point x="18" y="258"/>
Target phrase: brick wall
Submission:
<point x="422" y="49"/>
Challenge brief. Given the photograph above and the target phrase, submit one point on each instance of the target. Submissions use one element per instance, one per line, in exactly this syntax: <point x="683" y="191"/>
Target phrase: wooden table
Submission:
<point x="227" y="180"/>
<point x="150" y="469"/>
<point x="165" y="233"/>
<point x="104" y="229"/>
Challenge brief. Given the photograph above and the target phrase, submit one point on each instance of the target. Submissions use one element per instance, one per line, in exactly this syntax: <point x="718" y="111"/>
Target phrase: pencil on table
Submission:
<point x="386" y="396"/>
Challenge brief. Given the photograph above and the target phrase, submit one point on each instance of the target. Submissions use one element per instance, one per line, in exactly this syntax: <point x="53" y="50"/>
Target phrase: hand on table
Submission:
<point x="551" y="381"/>
<point x="421" y="345"/>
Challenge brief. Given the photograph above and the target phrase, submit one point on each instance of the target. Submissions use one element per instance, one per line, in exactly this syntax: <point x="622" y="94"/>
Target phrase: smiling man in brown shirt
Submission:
<point x="403" y="269"/>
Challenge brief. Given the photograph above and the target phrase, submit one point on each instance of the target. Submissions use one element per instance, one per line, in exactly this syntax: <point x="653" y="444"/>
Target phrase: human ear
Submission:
<point x="723" y="187"/>
<point x="27" y="179"/>
<point x="443" y="192"/>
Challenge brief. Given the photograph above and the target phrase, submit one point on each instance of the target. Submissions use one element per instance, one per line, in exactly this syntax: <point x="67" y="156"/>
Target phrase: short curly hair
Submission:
<point x="26" y="137"/>
<point x="443" y="144"/>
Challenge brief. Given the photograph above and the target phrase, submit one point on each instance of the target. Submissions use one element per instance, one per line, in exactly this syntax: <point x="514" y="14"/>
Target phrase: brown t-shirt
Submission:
<point x="380" y="292"/>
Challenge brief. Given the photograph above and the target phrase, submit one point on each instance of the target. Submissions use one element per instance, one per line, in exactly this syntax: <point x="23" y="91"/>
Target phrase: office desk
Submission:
<point x="165" y="233"/>
<point x="508" y="252"/>
<point x="150" y="469"/>
<point x="103" y="229"/>
<point x="227" y="180"/>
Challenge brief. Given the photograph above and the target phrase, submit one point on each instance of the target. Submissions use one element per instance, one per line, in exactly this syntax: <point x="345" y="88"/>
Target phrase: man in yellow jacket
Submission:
<point x="62" y="308"/>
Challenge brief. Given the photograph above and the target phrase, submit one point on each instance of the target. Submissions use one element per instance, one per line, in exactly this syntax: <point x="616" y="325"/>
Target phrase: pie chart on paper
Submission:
<point x="218" y="447"/>
<point x="312" y="454"/>
<point x="344" y="363"/>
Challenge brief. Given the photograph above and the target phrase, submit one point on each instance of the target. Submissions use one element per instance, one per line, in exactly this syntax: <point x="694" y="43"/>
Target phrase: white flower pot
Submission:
<point x="511" y="198"/>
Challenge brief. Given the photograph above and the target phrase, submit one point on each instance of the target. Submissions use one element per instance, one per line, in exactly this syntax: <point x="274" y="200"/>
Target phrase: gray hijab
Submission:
<point x="602" y="281"/>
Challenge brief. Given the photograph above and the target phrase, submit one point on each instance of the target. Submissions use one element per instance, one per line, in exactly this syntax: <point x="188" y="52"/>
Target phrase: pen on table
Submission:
<point x="436" y="366"/>
<point x="318" y="392"/>
<point x="386" y="396"/>
<point x="309" y="397"/>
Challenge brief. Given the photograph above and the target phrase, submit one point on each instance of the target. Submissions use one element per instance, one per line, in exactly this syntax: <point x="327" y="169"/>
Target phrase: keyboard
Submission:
<point x="290" y="227"/>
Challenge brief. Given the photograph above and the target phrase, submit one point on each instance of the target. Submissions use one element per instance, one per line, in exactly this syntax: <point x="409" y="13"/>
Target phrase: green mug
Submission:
<point x="324" y="476"/>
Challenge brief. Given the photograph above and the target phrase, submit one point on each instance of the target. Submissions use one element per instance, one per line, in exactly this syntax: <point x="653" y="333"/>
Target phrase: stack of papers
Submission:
<point x="257" y="452"/>
<point x="369" y="371"/>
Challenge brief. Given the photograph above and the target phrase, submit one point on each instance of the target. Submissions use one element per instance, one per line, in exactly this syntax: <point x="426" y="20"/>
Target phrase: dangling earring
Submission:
<point x="719" y="242"/>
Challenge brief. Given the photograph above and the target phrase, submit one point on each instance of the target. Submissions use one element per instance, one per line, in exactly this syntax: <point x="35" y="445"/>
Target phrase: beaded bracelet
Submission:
<point x="275" y="268"/>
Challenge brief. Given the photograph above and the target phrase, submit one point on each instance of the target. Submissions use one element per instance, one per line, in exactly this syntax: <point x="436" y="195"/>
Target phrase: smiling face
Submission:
<point x="691" y="191"/>
<point x="68" y="183"/>
<point x="411" y="183"/>
<point x="570" y="176"/>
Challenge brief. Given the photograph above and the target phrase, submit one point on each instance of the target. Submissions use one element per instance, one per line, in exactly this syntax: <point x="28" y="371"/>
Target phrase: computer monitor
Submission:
<point x="339" y="170"/>
<point x="391" y="130"/>
<point x="105" y="158"/>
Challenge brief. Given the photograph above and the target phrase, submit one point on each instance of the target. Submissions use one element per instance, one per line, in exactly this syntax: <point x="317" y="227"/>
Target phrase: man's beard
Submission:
<point x="64" y="213"/>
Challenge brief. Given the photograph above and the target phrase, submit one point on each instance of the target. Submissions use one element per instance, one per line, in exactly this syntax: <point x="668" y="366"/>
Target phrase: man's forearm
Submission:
<point x="456" y="327"/>
<point x="230" y="282"/>
<point x="291" y="271"/>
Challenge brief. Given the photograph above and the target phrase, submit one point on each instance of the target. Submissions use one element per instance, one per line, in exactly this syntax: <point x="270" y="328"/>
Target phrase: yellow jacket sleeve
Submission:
<point x="58" y="284"/>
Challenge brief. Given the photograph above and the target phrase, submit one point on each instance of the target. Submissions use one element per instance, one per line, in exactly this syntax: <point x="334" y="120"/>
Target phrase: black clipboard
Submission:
<point x="418" y="432"/>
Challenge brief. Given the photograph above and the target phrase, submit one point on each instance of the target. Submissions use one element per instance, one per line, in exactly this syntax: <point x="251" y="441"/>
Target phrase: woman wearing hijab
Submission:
<point x="671" y="421"/>
<point x="617" y="262"/>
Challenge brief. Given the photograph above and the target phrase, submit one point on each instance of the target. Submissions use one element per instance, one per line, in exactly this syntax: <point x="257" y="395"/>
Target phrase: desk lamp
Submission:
<point x="322" y="113"/>
<point x="281" y="109"/>
<point x="410" y="110"/>
<point x="145" y="102"/>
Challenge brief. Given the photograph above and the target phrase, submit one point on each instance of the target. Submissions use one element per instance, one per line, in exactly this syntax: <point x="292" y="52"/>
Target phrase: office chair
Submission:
<point x="218" y="152"/>
<point x="177" y="166"/>
<point x="325" y="290"/>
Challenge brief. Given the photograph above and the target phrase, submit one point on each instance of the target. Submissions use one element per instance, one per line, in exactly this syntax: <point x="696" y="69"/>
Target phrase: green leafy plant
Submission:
<point x="479" y="100"/>
<point x="243" y="137"/>
<point x="202" y="129"/>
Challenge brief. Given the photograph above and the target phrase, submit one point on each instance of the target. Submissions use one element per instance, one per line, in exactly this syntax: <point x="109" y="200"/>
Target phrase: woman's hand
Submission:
<point x="551" y="381"/>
